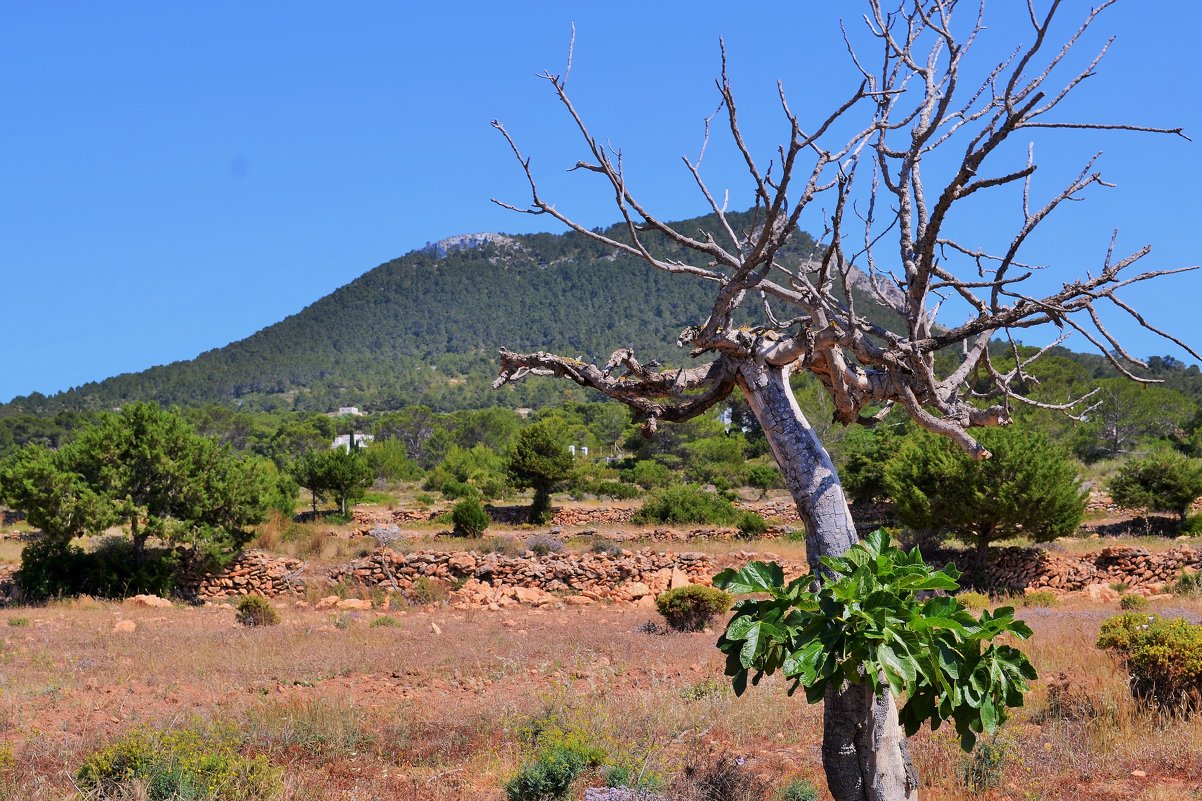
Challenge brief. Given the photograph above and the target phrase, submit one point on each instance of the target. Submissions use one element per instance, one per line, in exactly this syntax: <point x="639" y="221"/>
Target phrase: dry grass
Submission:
<point x="357" y="711"/>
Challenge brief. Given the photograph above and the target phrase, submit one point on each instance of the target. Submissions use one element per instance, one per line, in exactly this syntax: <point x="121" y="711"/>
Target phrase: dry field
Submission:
<point x="440" y="705"/>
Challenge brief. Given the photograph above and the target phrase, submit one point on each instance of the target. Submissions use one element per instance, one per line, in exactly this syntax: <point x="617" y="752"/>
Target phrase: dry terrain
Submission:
<point x="440" y="702"/>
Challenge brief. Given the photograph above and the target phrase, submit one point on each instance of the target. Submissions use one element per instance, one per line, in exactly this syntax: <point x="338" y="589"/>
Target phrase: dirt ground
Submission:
<point x="439" y="705"/>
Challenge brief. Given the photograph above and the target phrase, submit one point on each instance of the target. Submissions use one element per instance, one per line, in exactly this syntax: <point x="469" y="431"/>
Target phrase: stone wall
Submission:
<point x="251" y="573"/>
<point x="1019" y="569"/>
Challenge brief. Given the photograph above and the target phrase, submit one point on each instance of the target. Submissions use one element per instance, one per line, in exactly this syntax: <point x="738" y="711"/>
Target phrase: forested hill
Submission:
<point x="425" y="328"/>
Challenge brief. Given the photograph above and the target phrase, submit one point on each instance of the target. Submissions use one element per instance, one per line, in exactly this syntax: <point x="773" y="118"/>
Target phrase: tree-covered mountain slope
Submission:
<point x="425" y="328"/>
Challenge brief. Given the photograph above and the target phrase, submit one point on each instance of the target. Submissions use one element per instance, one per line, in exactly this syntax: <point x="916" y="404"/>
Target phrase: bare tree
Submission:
<point x="887" y="231"/>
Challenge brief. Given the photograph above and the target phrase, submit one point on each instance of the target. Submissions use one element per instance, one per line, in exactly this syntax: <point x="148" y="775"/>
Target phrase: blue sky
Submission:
<point x="176" y="176"/>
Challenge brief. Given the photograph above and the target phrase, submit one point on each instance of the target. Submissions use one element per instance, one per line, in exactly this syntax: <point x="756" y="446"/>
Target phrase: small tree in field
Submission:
<point x="1029" y="488"/>
<point x="539" y="460"/>
<point x="922" y="130"/>
<point x="1164" y="481"/>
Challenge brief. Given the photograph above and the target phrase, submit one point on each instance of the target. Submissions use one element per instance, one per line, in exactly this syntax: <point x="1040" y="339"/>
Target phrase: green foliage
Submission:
<point x="799" y="790"/>
<point x="385" y="622"/>
<point x="178" y="764"/>
<point x="146" y="468"/>
<point x="55" y="568"/>
<point x="339" y="473"/>
<point x="686" y="503"/>
<point x="426" y="590"/>
<point x="389" y="461"/>
<point x="868" y="452"/>
<point x="1043" y="599"/>
<point x="1028" y="488"/>
<point x="255" y="610"/>
<point x="763" y="477"/>
<point x="1163" y="481"/>
<point x="1128" y="415"/>
<point x="1164" y="658"/>
<point x="539" y="460"/>
<point x="548" y="777"/>
<point x="867" y="623"/>
<point x="692" y="607"/>
<point x="751" y="525"/>
<point x="717" y="459"/>
<point x="976" y="601"/>
<point x="1188" y="584"/>
<point x="1133" y="603"/>
<point x="18" y="622"/>
<point x="469" y="518"/>
<point x="648" y="474"/>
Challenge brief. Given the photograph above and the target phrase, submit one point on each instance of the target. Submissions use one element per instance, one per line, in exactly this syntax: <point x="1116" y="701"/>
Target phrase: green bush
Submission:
<point x="175" y="765"/>
<point x="1163" y="658"/>
<point x="1029" y="488"/>
<point x="751" y="525"/>
<point x="692" y="607"/>
<point x="255" y="610"/>
<point x="686" y="503"/>
<point x="648" y="474"/>
<point x="54" y="568"/>
<point x="975" y="601"/>
<point x="1188" y="584"/>
<point x="1133" y="603"/>
<point x="385" y="622"/>
<point x="469" y="518"/>
<point x="1040" y="599"/>
<point x="606" y="547"/>
<point x="618" y="490"/>
<point x="1164" y="481"/>
<point x="461" y="489"/>
<point x="18" y="622"/>
<point x="426" y="590"/>
<point x="548" y="777"/>
<point x="799" y="790"/>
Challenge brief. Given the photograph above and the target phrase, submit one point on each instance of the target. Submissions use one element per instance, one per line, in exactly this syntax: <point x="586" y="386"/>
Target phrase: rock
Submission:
<point x="434" y="628"/>
<point x="577" y="600"/>
<point x="125" y="627"/>
<point x="678" y="579"/>
<point x="1139" y="774"/>
<point x="354" y="605"/>
<point x="1100" y="593"/>
<point x="636" y="590"/>
<point x="329" y="602"/>
<point x="152" y="601"/>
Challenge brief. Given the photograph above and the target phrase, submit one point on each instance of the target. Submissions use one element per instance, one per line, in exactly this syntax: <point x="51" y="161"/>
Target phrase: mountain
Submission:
<point x="425" y="328"/>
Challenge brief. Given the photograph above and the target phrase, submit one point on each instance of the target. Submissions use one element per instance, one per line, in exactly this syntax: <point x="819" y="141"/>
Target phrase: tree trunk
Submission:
<point x="864" y="752"/>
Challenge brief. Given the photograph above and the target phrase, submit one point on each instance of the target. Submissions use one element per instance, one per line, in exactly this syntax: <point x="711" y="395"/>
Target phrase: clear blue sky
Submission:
<point x="176" y="176"/>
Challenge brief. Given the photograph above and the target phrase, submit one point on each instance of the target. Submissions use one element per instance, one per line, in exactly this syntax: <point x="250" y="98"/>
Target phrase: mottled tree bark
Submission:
<point x="864" y="752"/>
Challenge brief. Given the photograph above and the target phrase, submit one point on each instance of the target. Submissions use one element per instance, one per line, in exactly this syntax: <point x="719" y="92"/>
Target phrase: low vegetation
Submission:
<point x="692" y="607"/>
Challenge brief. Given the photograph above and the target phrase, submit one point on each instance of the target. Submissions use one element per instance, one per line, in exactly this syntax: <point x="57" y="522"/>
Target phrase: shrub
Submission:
<point x="692" y="607"/>
<point x="1163" y="658"/>
<point x="686" y="503"/>
<point x="799" y="790"/>
<point x="53" y="568"/>
<point x="751" y="525"/>
<point x="1040" y="598"/>
<point x="543" y="545"/>
<point x="1189" y="584"/>
<point x="505" y="546"/>
<point x="704" y="778"/>
<point x="180" y="764"/>
<point x="1164" y="481"/>
<point x="460" y="489"/>
<point x="1133" y="603"/>
<point x="606" y="547"/>
<point x="982" y="769"/>
<point x="763" y="477"/>
<point x="975" y="601"/>
<point x="469" y="518"/>
<point x="618" y="490"/>
<point x="426" y="590"/>
<point x="18" y="622"/>
<point x="255" y="610"/>
<point x="385" y="622"/>
<point x="548" y="777"/>
<point x="1028" y="488"/>
<point x="648" y="474"/>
